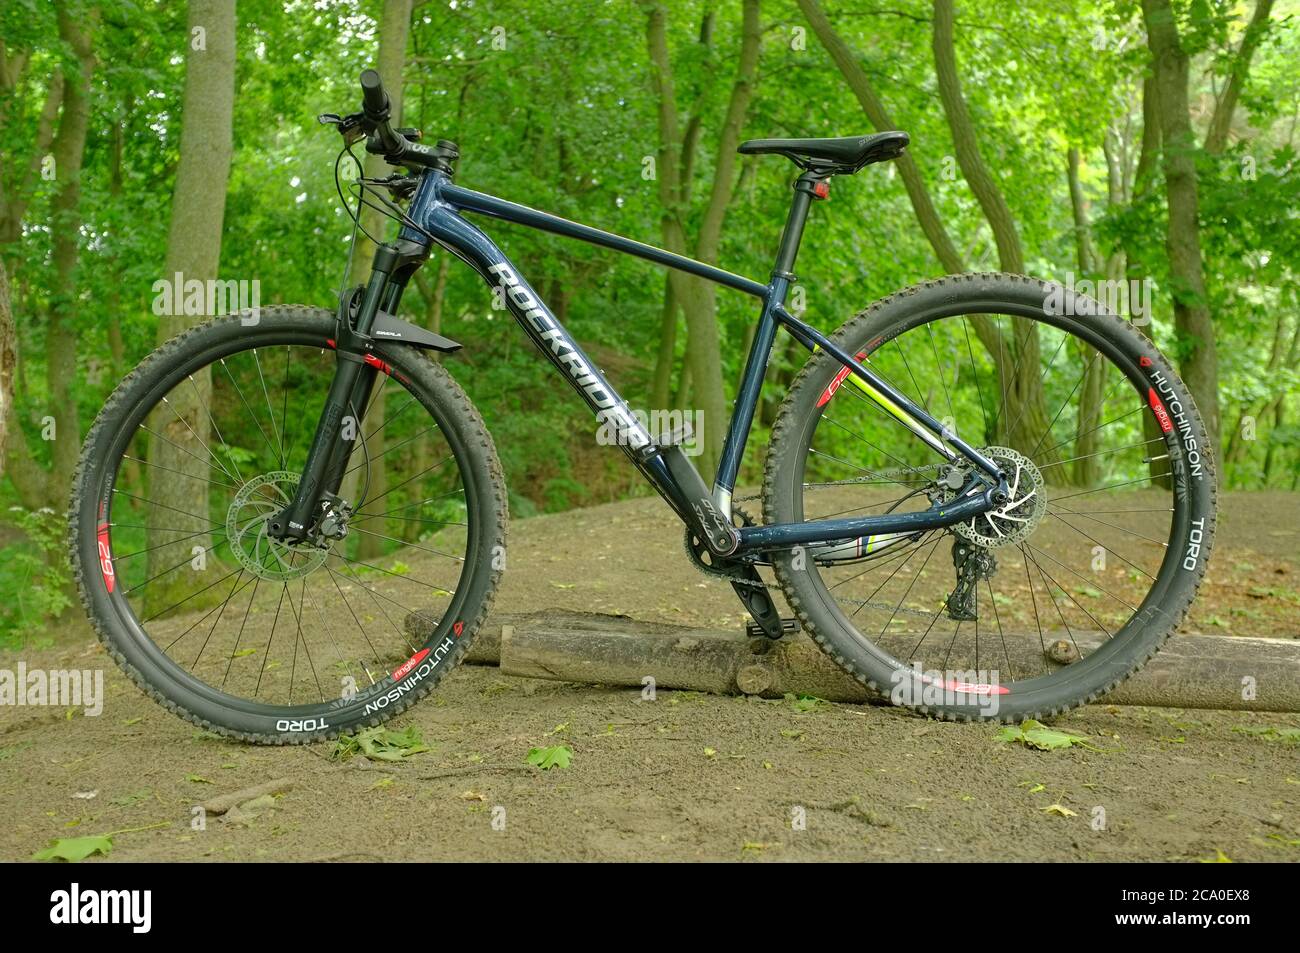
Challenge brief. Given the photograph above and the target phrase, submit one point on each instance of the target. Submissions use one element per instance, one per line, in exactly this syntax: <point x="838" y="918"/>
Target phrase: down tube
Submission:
<point x="551" y="338"/>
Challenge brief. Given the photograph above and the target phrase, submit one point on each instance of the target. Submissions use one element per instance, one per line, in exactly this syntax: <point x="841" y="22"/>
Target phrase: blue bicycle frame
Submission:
<point x="435" y="216"/>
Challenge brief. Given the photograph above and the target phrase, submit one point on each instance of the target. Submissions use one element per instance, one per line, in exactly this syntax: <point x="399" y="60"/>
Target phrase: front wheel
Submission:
<point x="1064" y="590"/>
<point x="243" y="633"/>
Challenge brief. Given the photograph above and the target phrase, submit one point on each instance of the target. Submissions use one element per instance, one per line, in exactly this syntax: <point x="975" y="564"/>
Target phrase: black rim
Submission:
<point x="308" y="633"/>
<point x="1099" y="572"/>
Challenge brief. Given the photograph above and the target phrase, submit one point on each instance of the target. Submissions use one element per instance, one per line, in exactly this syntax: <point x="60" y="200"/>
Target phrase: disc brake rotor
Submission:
<point x="1019" y="516"/>
<point x="256" y="502"/>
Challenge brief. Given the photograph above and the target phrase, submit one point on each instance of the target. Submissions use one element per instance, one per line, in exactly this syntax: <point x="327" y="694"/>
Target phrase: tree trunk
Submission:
<point x="1135" y="269"/>
<point x="61" y="331"/>
<point x="1087" y="468"/>
<point x="8" y="360"/>
<point x="697" y="297"/>
<point x="26" y="476"/>
<point x="666" y="356"/>
<point x="926" y="215"/>
<point x="858" y="82"/>
<point x="1024" y="428"/>
<point x="1216" y="137"/>
<point x="1192" y="318"/>
<point x="180" y="466"/>
<point x="665" y="360"/>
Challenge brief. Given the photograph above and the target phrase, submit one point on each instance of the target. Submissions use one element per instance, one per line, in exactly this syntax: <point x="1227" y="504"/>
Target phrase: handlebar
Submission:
<point x="397" y="146"/>
<point x="374" y="100"/>
<point x="375" y="107"/>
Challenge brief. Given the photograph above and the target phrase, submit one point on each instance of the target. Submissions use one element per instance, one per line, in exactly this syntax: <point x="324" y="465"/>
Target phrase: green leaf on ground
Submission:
<point x="380" y="744"/>
<point x="556" y="756"/>
<point x="1290" y="736"/>
<point x="1033" y="734"/>
<point x="73" y="849"/>
<point x="803" y="703"/>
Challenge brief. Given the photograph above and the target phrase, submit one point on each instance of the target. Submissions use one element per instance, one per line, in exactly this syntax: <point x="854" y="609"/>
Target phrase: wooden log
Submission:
<point x="1191" y="671"/>
<point x="484" y="650"/>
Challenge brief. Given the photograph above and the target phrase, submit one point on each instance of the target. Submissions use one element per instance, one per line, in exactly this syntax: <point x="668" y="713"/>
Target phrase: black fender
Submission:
<point x="394" y="330"/>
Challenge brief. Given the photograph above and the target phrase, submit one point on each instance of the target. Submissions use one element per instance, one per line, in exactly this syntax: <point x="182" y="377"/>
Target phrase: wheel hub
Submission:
<point x="1015" y="519"/>
<point x="255" y="549"/>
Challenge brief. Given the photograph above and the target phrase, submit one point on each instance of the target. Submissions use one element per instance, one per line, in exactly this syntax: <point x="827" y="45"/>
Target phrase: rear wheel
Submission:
<point x="235" y="630"/>
<point x="1073" y="583"/>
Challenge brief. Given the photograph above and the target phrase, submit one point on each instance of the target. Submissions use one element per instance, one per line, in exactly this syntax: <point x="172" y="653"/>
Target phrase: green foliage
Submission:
<point x="1283" y="734"/>
<point x="1033" y="734"/>
<point x="35" y="581"/>
<point x="563" y="118"/>
<point x="802" y="704"/>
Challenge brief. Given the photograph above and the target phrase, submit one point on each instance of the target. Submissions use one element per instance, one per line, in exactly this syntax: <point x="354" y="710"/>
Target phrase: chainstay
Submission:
<point x="747" y="520"/>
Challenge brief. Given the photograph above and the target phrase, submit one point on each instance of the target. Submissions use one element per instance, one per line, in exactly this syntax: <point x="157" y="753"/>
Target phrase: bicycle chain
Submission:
<point x="747" y="520"/>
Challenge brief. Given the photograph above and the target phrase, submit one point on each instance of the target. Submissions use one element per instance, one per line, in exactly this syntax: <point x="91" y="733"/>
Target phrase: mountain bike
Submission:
<point x="985" y="496"/>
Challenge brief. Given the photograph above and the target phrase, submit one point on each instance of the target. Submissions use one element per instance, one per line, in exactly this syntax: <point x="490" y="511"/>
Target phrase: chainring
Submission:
<point x="699" y="552"/>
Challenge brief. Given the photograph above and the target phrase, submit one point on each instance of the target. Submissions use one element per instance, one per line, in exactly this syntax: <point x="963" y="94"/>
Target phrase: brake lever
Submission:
<point x="348" y="126"/>
<point x="401" y="186"/>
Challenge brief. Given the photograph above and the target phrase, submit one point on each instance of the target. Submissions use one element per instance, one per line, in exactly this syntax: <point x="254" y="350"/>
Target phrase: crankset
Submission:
<point x="745" y="580"/>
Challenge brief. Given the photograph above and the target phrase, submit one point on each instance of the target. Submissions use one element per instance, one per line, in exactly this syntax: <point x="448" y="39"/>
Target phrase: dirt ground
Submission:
<point x="683" y="776"/>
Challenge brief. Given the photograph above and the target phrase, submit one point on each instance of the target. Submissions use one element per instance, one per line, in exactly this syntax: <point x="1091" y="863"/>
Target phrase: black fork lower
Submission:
<point x="327" y="461"/>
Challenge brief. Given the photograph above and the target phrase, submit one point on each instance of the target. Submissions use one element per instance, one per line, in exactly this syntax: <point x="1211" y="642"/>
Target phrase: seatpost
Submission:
<point x="805" y="189"/>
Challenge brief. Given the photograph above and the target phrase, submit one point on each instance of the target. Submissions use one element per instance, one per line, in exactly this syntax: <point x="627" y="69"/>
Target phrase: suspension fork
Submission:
<point x="349" y="396"/>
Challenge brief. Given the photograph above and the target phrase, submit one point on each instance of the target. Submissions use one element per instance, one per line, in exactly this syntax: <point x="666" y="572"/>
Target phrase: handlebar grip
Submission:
<point x="374" y="101"/>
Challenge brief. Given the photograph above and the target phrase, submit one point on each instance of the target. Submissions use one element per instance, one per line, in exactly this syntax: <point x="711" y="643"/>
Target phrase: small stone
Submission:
<point x="1062" y="652"/>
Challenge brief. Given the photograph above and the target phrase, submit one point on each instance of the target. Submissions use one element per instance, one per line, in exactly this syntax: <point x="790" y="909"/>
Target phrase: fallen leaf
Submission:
<point x="74" y="849"/>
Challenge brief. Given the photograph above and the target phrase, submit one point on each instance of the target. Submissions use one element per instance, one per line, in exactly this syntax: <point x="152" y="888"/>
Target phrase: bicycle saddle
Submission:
<point x="845" y="155"/>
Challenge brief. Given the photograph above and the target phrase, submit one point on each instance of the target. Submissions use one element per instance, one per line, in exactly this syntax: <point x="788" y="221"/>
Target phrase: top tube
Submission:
<point x="471" y="201"/>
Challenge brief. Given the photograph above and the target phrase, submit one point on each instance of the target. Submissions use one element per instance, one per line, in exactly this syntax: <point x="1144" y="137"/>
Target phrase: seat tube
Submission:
<point x="751" y="386"/>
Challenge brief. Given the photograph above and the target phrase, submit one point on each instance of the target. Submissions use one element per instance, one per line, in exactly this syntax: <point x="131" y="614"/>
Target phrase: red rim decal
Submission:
<point x="976" y="689"/>
<point x="106" y="558"/>
<point x="966" y="688"/>
<point x="840" y="376"/>
<point x="405" y="668"/>
<point x="1162" y="415"/>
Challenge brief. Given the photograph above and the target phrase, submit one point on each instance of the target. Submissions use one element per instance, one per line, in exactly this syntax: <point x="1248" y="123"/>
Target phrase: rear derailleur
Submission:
<point x="973" y="564"/>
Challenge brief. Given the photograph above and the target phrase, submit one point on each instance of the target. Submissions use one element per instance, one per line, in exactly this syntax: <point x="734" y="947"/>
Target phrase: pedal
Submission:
<point x="755" y="631"/>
